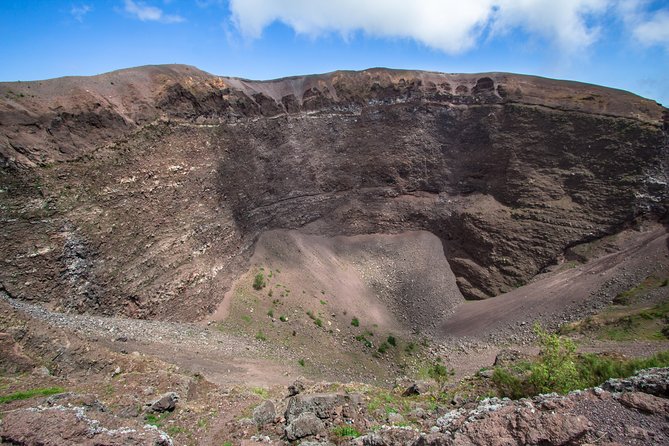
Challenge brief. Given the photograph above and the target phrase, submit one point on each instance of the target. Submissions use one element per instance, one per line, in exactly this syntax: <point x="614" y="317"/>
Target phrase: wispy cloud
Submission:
<point x="79" y="12"/>
<point x="147" y="13"/>
<point x="452" y="26"/>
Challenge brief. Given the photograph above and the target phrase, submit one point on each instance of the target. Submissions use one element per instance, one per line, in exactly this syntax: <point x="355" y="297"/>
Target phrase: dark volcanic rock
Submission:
<point x="508" y="171"/>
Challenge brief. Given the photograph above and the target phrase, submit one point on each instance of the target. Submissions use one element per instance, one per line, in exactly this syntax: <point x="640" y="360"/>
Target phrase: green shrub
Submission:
<point x="270" y="313"/>
<point x="283" y="318"/>
<point x="559" y="369"/>
<point x="392" y="341"/>
<point x="259" y="281"/>
<point x="301" y="362"/>
<point x="318" y="322"/>
<point x="383" y="347"/>
<point x="355" y="322"/>
<point x="261" y="336"/>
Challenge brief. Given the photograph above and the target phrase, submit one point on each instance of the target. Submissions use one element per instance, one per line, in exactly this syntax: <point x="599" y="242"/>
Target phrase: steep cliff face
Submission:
<point x="143" y="191"/>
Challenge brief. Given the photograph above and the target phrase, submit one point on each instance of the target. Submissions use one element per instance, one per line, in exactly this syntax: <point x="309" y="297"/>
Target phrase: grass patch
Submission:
<point x="24" y="395"/>
<point x="346" y="431"/>
<point x="392" y="341"/>
<point x="626" y="324"/>
<point x="283" y="318"/>
<point x="355" y="322"/>
<point x="301" y="362"/>
<point x="156" y="419"/>
<point x="632" y="295"/>
<point x="260" y="391"/>
<point x="318" y="322"/>
<point x="261" y="336"/>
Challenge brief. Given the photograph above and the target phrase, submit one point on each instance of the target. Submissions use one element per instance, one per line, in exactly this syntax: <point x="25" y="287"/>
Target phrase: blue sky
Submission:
<point x="617" y="43"/>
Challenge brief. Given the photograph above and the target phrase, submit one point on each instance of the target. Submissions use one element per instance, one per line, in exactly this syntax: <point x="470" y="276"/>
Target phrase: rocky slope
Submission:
<point x="143" y="191"/>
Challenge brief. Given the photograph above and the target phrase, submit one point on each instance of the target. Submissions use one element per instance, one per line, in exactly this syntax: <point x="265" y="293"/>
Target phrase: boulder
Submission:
<point x="304" y="425"/>
<point x="265" y="413"/>
<point x="295" y="388"/>
<point x="416" y="388"/>
<point x="323" y="405"/>
<point x="167" y="402"/>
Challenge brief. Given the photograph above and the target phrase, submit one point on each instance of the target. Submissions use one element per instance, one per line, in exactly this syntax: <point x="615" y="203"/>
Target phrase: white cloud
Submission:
<point x="148" y="13"/>
<point x="79" y="12"/>
<point x="648" y="27"/>
<point x="452" y="26"/>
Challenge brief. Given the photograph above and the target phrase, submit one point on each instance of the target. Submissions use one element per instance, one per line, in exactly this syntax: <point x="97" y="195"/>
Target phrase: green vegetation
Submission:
<point x="383" y="347"/>
<point x="323" y="302"/>
<point x="318" y="322"/>
<point x="156" y="419"/>
<point x="23" y="395"/>
<point x="301" y="362"/>
<point x="260" y="391"/>
<point x="437" y="372"/>
<point x="261" y="336"/>
<point x="364" y="340"/>
<point x="559" y="369"/>
<point x="270" y="313"/>
<point x="355" y="322"/>
<point x="625" y="324"/>
<point x="283" y="318"/>
<point x="392" y="341"/>
<point x="259" y="281"/>
<point x="346" y="431"/>
<point x="649" y="283"/>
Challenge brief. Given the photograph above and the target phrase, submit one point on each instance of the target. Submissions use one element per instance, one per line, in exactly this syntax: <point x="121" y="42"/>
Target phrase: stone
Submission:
<point x="323" y="405"/>
<point x="167" y="402"/>
<point x="73" y="426"/>
<point x="265" y="413"/>
<point x="295" y="388"/>
<point x="416" y="388"/>
<point x="304" y="425"/>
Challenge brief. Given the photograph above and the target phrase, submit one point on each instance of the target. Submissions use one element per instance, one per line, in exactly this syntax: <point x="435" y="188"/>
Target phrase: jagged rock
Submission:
<point x="167" y="402"/>
<point x="323" y="405"/>
<point x="654" y="381"/>
<point x="417" y="388"/>
<point x="295" y="388"/>
<point x="72" y="426"/>
<point x="265" y="413"/>
<point x="304" y="425"/>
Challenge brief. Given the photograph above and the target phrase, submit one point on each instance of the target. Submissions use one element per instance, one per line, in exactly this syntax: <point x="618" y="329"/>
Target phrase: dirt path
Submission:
<point x="222" y="358"/>
<point x="563" y="296"/>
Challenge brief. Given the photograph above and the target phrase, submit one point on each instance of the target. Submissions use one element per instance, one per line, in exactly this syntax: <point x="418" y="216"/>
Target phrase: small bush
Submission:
<point x="383" y="347"/>
<point x="318" y="322"/>
<point x="301" y="362"/>
<point x="392" y="341"/>
<point x="439" y="372"/>
<point x="355" y="322"/>
<point x="283" y="318"/>
<point x="259" y="281"/>
<point x="270" y="313"/>
<point x="261" y="336"/>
